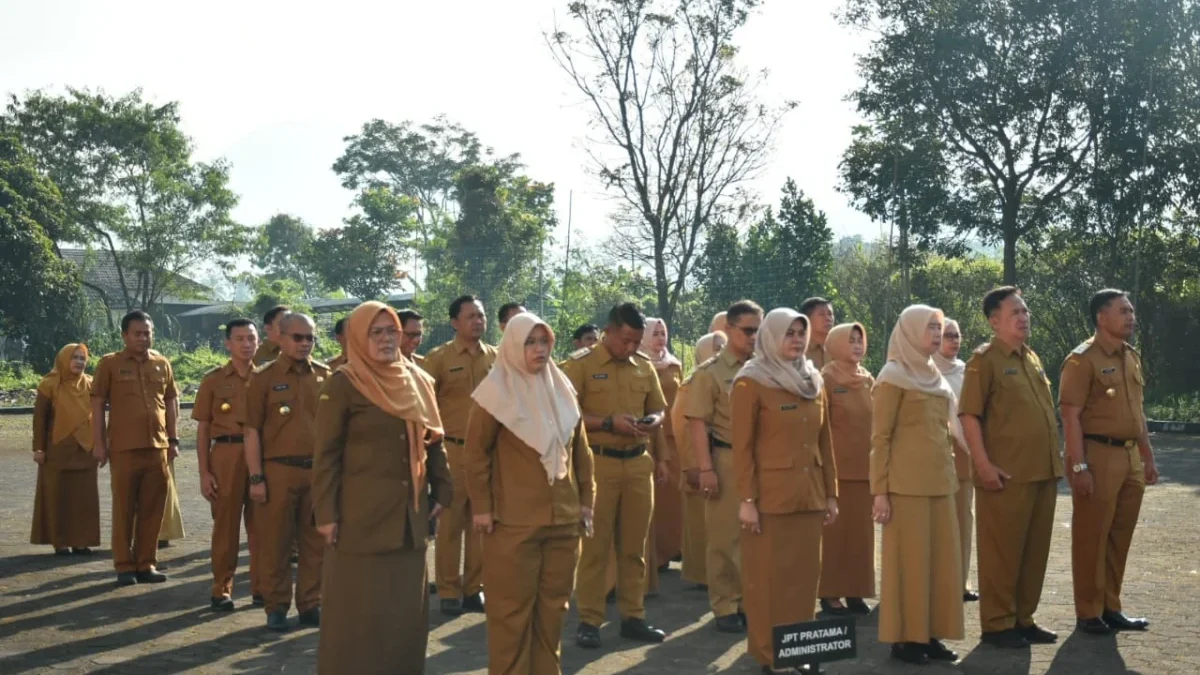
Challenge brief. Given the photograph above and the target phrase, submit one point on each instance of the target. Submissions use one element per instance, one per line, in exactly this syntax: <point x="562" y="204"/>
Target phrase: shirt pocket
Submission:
<point x="282" y="406"/>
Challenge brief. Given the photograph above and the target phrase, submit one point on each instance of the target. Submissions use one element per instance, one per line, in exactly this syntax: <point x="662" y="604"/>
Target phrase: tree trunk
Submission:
<point x="1008" y="226"/>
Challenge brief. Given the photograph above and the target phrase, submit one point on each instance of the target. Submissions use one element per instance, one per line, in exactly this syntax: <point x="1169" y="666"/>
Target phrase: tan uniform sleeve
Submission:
<point x="433" y="366"/>
<point x="1075" y="381"/>
<point x="886" y="408"/>
<point x="202" y="408"/>
<point x="102" y="379"/>
<point x="656" y="402"/>
<point x="702" y="396"/>
<point x="172" y="391"/>
<point x="254" y="413"/>
<point x="977" y="382"/>
<point x="573" y="369"/>
<point x="744" y="404"/>
<point x="584" y="467"/>
<point x="437" y="472"/>
<point x="42" y="413"/>
<point x="333" y="408"/>
<point x="828" y="462"/>
<point x="482" y="431"/>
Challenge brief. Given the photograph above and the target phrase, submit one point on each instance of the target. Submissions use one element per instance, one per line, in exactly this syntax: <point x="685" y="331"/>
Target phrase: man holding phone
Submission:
<point x="623" y="404"/>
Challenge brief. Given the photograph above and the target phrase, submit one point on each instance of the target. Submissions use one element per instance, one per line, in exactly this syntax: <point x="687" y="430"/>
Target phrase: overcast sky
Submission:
<point x="274" y="87"/>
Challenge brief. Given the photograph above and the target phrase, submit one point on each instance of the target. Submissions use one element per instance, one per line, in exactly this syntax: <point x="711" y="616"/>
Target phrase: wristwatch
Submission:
<point x="256" y="478"/>
<point x="172" y="441"/>
<point x="606" y="425"/>
<point x="1080" y="467"/>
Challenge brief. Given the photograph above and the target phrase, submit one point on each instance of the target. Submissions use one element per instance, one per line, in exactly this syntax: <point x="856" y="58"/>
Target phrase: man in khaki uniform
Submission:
<point x="412" y="326"/>
<point x="339" y="334"/>
<point x="820" y="320"/>
<point x="507" y="311"/>
<point x="585" y="336"/>
<point x="1007" y="414"/>
<point x="1111" y="463"/>
<point x="139" y="387"/>
<point x="220" y="453"/>
<point x="268" y="349"/>
<point x="623" y="406"/>
<point x="710" y="430"/>
<point x="279" y="425"/>
<point x="457" y="367"/>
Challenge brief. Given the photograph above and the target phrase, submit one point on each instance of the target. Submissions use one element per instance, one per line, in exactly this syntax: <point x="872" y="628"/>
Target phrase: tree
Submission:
<point x="365" y="256"/>
<point x="283" y="248"/>
<point x="679" y="116"/>
<point x="130" y="186"/>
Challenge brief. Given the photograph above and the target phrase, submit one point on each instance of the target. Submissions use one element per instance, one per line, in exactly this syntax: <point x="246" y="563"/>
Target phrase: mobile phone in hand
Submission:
<point x="647" y="420"/>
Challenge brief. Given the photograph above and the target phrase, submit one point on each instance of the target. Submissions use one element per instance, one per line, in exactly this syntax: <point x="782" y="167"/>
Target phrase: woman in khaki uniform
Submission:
<point x="66" y="504"/>
<point x="666" y="530"/>
<point x="786" y="479"/>
<point x="954" y="370"/>
<point x="529" y="470"/>
<point x="377" y="423"/>
<point x="913" y="480"/>
<point x="848" y="547"/>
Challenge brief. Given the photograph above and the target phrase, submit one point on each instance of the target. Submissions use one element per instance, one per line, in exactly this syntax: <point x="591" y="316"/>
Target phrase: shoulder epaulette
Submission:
<point x="109" y="355"/>
<point x="1132" y="349"/>
<point x="579" y="354"/>
<point x="321" y="364"/>
<point x="438" y="349"/>
<point x="264" y="366"/>
<point x="982" y="349"/>
<point x="214" y="371"/>
<point x="152" y="352"/>
<point x="711" y="360"/>
<point x="1083" y="347"/>
<point x="642" y="355"/>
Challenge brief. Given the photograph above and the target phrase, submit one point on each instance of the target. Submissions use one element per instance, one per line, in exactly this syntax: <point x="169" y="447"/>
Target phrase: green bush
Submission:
<point x="1178" y="408"/>
<point x="17" y="375"/>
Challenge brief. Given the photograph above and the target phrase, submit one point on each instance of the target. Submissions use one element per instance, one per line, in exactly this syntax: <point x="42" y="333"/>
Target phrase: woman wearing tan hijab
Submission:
<point x="718" y="325"/>
<point x="786" y="479"/>
<point x="666" y="531"/>
<point x="529" y="469"/>
<point x="695" y="536"/>
<point x="848" y="547"/>
<point x="954" y="370"/>
<point x="913" y="481"/>
<point x="66" y="504"/>
<point x="377" y="449"/>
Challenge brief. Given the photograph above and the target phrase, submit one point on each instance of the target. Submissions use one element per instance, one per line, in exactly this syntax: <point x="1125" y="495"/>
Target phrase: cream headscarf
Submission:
<point x="706" y="347"/>
<point x="768" y="368"/>
<point x="539" y="408"/>
<point x="719" y="323"/>
<point x="841" y="371"/>
<point x="662" y="359"/>
<point x="909" y="367"/>
<point x="954" y="370"/>
<point x="70" y="395"/>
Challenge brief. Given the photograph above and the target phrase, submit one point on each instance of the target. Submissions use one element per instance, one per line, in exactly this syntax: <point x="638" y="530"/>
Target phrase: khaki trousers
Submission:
<point x="139" y="490"/>
<point x="920" y="591"/>
<point x="1013" y="530"/>
<point x="964" y="501"/>
<point x="453" y="526"/>
<point x="227" y="462"/>
<point x="1102" y="528"/>
<point x="287" y="516"/>
<point x="695" y="540"/>
<point x="724" y="553"/>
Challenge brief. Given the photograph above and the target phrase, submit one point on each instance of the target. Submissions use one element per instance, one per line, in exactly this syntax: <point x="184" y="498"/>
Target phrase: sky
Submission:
<point x="274" y="87"/>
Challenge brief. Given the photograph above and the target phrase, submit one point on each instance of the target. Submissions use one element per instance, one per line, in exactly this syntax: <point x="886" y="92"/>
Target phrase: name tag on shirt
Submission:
<point x="1109" y="371"/>
<point x="124" y="371"/>
<point x="1010" y="371"/>
<point x="839" y="390"/>
<point x="280" y="387"/>
<point x="790" y="406"/>
<point x="600" y="376"/>
<point x="455" y="370"/>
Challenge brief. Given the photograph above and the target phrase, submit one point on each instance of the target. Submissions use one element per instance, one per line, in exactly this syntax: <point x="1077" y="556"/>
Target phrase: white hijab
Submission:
<point x="909" y="367"/>
<point x="954" y="370"/>
<point x="706" y="346"/>
<point x="538" y="408"/>
<point x="768" y="367"/>
<point x="662" y="359"/>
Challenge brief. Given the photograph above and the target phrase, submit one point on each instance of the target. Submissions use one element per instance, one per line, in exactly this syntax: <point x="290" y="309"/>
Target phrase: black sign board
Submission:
<point x="814" y="642"/>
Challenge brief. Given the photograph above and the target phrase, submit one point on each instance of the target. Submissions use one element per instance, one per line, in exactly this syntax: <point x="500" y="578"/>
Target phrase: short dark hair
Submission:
<point x="273" y="313"/>
<point x="584" y="330"/>
<point x="456" y="305"/>
<point x="1100" y="302"/>
<point x="237" y="323"/>
<point x="407" y="315"/>
<point x="996" y="297"/>
<point x="810" y="305"/>
<point x="339" y="327"/>
<point x="135" y="315"/>
<point x="627" y="314"/>
<point x="507" y="307"/>
<point x="742" y="308"/>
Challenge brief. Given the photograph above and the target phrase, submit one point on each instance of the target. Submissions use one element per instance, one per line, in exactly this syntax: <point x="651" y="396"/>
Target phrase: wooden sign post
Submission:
<point x="814" y="642"/>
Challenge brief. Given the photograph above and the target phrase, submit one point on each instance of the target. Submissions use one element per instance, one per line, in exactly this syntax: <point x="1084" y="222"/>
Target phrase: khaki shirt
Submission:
<point x="607" y="387"/>
<point x="782" y="448"/>
<point x="337" y="362"/>
<point x="1007" y="389"/>
<point x="267" y="351"/>
<point x="670" y="379"/>
<point x="709" y="397"/>
<point x="505" y="477"/>
<point x="137" y="392"/>
<point x="912" y="450"/>
<point x="683" y="440"/>
<point x="281" y="402"/>
<point x="456" y="373"/>
<point x="1105" y="379"/>
<point x="816" y="354"/>
<point x="362" y="477"/>
<point x="67" y="454"/>
<point x="850" y="412"/>
<point x="221" y="401"/>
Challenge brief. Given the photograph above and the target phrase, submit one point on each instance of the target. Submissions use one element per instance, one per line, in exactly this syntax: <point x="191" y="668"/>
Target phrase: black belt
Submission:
<point x="236" y="438"/>
<point x="718" y="443"/>
<point x="298" y="462"/>
<point x="456" y="441"/>
<point x="619" y="453"/>
<point x="1114" y="442"/>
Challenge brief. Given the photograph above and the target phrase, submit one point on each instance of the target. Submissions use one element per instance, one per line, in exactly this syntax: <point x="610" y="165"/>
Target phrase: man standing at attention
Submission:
<point x="268" y="349"/>
<point x="1111" y="463"/>
<point x="507" y="311"/>
<point x="457" y="367"/>
<point x="339" y="334"/>
<point x="140" y="437"/>
<point x="412" y="326"/>
<point x="820" y="320"/>
<point x="1007" y="414"/>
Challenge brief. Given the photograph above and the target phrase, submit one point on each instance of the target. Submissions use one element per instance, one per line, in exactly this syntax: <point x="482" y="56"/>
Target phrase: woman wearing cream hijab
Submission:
<point x="953" y="369"/>
<point x="786" y="479"/>
<point x="695" y="536"/>
<point x="718" y="325"/>
<point x="66" y="504"/>
<point x="376" y="453"/>
<point x="666" y="529"/>
<point x="913" y="481"/>
<point x="529" y="473"/>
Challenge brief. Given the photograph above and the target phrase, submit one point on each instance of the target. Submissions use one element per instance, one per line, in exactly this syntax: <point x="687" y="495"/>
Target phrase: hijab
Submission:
<point x="841" y="370"/>
<point x="706" y="347"/>
<point x="70" y="394"/>
<point x="539" y="408"/>
<point x="662" y="359"/>
<point x="768" y="368"/>
<point x="909" y="367"/>
<point x="954" y="370"/>
<point x="719" y="323"/>
<point x="394" y="388"/>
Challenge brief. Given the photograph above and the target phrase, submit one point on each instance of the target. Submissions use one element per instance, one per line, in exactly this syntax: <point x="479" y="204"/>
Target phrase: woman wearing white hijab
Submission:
<point x="666" y="529"/>
<point x="913" y="481"/>
<point x="529" y="468"/>
<point x="786" y="479"/>
<point x="953" y="369"/>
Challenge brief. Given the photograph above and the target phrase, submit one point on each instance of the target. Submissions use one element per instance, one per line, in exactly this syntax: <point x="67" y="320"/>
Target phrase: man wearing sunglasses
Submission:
<point x="412" y="326"/>
<point x="279" y="417"/>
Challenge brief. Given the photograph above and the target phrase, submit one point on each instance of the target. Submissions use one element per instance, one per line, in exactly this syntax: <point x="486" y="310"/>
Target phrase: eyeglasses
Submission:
<point x="951" y="336"/>
<point x="750" y="331"/>
<point x="303" y="337"/>
<point x="386" y="331"/>
<point x="414" y="336"/>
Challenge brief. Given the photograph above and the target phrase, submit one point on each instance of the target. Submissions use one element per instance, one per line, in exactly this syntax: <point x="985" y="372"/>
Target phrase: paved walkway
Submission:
<point x="63" y="615"/>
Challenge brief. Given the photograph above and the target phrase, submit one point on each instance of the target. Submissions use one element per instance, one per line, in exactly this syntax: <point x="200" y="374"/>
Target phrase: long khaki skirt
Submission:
<point x="848" y="546"/>
<point x="781" y="568"/>
<point x="921" y="588"/>
<point x="66" y="507"/>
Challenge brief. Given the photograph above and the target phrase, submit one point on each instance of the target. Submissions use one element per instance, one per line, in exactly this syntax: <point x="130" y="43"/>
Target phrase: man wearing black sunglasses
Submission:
<point x="280" y="412"/>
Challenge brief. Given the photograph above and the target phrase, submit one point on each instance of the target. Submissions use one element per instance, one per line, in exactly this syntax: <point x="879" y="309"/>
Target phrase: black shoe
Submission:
<point x="1118" y="621"/>
<point x="857" y="606"/>
<point x="1004" y="639"/>
<point x="698" y="587"/>
<point x="664" y="568"/>
<point x="588" y="636"/>
<point x="678" y="558"/>
<point x="277" y="621"/>
<point x="970" y="596"/>
<point x="638" y="629"/>
<point x="311" y="618"/>
<point x="936" y="651"/>
<point x="768" y="670"/>
<point x="452" y="606"/>
<point x="910" y="652"/>
<point x="730" y="623"/>
<point x="82" y="550"/>
<point x="62" y="551"/>
<point x="1095" y="626"/>
<point x="257" y="600"/>
<point x="1037" y="635"/>
<point x="126" y="578"/>
<point x="474" y="603"/>
<point x="828" y="608"/>
<point x="150" y="576"/>
<point x="163" y="543"/>
<point x="432" y="588"/>
<point x="222" y="604"/>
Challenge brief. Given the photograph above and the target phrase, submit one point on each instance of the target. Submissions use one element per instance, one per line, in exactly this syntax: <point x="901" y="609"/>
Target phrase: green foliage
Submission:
<point x="191" y="366"/>
<point x="272" y="293"/>
<point x="364" y="257"/>
<point x="282" y="249"/>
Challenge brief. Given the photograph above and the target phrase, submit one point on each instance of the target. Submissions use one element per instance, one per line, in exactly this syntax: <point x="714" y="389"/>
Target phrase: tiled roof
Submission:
<point x="100" y="269"/>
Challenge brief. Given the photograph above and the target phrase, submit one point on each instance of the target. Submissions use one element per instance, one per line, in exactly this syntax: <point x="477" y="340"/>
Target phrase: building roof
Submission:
<point x="100" y="269"/>
<point x="331" y="305"/>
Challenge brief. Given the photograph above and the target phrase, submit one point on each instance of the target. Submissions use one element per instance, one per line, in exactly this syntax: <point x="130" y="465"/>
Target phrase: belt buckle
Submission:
<point x="1129" y="445"/>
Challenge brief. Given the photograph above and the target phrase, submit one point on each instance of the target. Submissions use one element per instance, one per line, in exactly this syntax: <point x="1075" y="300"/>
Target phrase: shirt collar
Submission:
<point x="1007" y="349"/>
<point x="730" y="360"/>
<point x="608" y="355"/>
<point x="230" y="369"/>
<point x="301" y="367"/>
<point x="1110" y="347"/>
<point x="128" y="354"/>
<point x="461" y="346"/>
